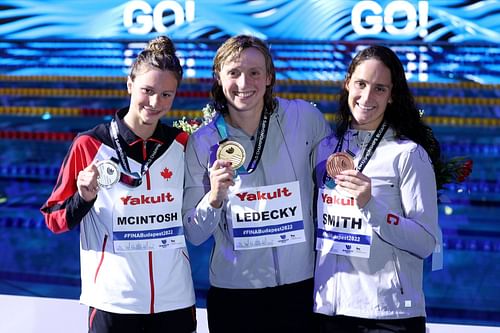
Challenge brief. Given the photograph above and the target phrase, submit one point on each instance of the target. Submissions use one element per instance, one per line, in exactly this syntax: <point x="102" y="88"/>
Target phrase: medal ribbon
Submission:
<point x="220" y="123"/>
<point x="367" y="153"/>
<point x="127" y="177"/>
<point x="372" y="144"/>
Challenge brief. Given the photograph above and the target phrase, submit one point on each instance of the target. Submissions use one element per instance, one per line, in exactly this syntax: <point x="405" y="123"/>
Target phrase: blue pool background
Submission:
<point x="53" y="90"/>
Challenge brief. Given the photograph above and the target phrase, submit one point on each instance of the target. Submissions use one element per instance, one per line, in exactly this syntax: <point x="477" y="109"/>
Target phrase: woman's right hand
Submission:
<point x="221" y="177"/>
<point x="356" y="184"/>
<point x="87" y="183"/>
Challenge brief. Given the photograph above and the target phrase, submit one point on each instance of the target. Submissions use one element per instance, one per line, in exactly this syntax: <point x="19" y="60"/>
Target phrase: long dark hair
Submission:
<point x="402" y="114"/>
<point x="232" y="49"/>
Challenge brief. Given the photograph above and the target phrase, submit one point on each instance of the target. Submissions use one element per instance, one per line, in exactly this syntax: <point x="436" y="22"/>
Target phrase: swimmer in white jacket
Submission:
<point x="377" y="214"/>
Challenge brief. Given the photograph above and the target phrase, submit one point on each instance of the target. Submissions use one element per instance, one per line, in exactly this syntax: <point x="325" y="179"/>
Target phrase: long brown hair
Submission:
<point x="402" y="114"/>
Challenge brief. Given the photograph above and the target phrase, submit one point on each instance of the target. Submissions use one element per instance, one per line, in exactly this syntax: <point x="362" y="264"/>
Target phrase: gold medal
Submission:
<point x="232" y="151"/>
<point x="339" y="162"/>
<point x="109" y="173"/>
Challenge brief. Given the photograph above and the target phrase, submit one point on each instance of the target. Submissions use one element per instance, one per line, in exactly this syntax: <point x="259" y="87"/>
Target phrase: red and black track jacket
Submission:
<point x="122" y="282"/>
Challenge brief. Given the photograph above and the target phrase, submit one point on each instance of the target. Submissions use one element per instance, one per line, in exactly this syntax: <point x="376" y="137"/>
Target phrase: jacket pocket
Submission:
<point x="385" y="186"/>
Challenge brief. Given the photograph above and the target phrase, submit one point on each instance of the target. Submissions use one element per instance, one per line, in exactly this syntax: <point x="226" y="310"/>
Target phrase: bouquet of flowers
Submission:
<point x="191" y="125"/>
<point x="453" y="171"/>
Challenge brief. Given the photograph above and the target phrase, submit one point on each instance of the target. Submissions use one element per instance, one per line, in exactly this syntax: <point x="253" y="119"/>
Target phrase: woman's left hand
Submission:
<point x="356" y="184"/>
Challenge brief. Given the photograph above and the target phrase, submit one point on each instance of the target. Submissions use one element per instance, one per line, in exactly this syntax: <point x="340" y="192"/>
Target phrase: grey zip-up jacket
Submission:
<point x="295" y="128"/>
<point x="404" y="216"/>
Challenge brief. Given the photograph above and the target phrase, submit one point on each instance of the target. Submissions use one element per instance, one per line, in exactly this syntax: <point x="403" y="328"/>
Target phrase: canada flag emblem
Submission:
<point x="166" y="173"/>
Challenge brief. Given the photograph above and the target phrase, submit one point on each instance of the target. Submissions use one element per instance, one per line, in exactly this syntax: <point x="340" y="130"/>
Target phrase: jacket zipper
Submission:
<point x="396" y="262"/>
<point x="335" y="301"/>
<point x="150" y="253"/>
<point x="276" y="266"/>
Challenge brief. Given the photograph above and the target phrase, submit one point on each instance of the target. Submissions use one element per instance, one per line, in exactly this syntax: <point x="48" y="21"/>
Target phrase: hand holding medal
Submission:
<point x="221" y="176"/>
<point x="355" y="185"/>
<point x="86" y="182"/>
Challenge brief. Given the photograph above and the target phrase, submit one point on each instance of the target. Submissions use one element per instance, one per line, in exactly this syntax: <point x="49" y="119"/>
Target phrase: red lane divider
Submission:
<point x="39" y="136"/>
<point x="193" y="94"/>
<point x="97" y="112"/>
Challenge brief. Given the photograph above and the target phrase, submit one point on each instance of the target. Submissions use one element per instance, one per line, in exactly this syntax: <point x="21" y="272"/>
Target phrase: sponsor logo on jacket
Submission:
<point x="147" y="200"/>
<point x="335" y="200"/>
<point x="259" y="195"/>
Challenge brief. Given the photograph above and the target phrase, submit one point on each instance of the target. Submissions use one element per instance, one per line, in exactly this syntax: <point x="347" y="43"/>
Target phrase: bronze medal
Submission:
<point x="232" y="151"/>
<point x="338" y="162"/>
<point x="109" y="173"/>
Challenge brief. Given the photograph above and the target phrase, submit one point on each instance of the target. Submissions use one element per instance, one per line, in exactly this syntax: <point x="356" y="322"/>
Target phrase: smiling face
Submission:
<point x="152" y="93"/>
<point x="369" y="87"/>
<point x="244" y="80"/>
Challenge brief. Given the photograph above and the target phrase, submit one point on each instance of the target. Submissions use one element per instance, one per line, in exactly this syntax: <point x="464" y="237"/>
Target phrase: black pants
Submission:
<point x="286" y="309"/>
<point x="344" y="324"/>
<point x="177" y="321"/>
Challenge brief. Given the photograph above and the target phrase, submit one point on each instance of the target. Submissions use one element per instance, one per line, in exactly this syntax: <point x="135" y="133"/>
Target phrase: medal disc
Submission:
<point x="338" y="162"/>
<point x="232" y="151"/>
<point x="109" y="174"/>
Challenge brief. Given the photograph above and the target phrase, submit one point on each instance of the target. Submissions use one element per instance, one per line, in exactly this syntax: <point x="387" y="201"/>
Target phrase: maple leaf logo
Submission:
<point x="167" y="174"/>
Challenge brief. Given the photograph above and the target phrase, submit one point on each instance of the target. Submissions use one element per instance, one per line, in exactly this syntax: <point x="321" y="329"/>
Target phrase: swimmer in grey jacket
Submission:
<point x="266" y="257"/>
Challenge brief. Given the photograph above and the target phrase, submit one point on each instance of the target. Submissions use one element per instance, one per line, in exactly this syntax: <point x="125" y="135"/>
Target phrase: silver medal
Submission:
<point x="109" y="173"/>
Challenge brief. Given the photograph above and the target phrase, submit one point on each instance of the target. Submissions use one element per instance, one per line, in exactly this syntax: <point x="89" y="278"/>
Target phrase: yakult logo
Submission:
<point x="335" y="200"/>
<point x="147" y="200"/>
<point x="259" y="195"/>
<point x="148" y="17"/>
<point x="381" y="18"/>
